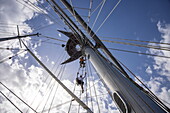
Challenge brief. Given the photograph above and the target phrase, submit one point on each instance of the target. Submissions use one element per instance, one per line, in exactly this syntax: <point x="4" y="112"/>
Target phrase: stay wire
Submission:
<point x="53" y="38"/>
<point x="139" y="53"/>
<point x="48" y="97"/>
<point x="97" y="7"/>
<point x="11" y="48"/>
<point x="104" y="1"/>
<point x="54" y="18"/>
<point x="11" y="56"/>
<point x="72" y="99"/>
<point x="58" y="105"/>
<point x="141" y="45"/>
<point x="89" y="86"/>
<point x="45" y="42"/>
<point x="18" y="97"/>
<point x="73" y="91"/>
<point x="40" y="102"/>
<point x="49" y="85"/>
<point x="28" y="6"/>
<point x="61" y="75"/>
<point x="42" y="11"/>
<point x="79" y="104"/>
<point x="90" y="11"/>
<point x="94" y="88"/>
<point x="137" y="40"/>
<point x="47" y="78"/>
<point x="108" y="16"/>
<point x="10" y="101"/>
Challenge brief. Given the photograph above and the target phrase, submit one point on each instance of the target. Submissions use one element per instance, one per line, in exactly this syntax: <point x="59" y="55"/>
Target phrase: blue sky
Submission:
<point x="140" y="20"/>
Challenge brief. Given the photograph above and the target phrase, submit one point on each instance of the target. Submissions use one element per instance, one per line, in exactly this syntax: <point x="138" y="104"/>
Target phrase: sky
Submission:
<point x="146" y="20"/>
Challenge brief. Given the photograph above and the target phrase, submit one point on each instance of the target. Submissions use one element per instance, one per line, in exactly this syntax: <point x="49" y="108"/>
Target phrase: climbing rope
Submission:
<point x="17" y="97"/>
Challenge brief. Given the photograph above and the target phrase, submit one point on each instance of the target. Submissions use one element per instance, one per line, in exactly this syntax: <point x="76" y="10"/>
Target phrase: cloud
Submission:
<point x="161" y="66"/>
<point x="27" y="79"/>
<point x="148" y="70"/>
<point x="12" y="72"/>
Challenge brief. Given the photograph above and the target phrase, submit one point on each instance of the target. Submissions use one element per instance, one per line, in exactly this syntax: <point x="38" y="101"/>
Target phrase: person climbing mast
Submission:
<point x="82" y="62"/>
<point x="79" y="81"/>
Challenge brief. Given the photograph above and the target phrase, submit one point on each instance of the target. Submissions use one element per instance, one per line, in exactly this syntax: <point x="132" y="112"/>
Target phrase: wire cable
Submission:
<point x="11" y="56"/>
<point x="104" y="1"/>
<point x="11" y="101"/>
<point x="137" y="40"/>
<point x="108" y="16"/>
<point x="94" y="89"/>
<point x="140" y="45"/>
<point x="17" y="97"/>
<point x="139" y="53"/>
<point x="53" y="38"/>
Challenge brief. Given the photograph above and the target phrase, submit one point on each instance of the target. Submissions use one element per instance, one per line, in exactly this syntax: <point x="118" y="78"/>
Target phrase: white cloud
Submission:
<point x="149" y="70"/>
<point x="25" y="79"/>
<point x="161" y="66"/>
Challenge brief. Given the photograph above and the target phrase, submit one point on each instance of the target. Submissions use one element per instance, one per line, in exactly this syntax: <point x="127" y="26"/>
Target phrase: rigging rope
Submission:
<point x="61" y="75"/>
<point x="44" y="95"/>
<point x="17" y="97"/>
<point x="11" y="48"/>
<point x="48" y="97"/>
<point x="11" y="101"/>
<point x="104" y="1"/>
<point x="72" y="99"/>
<point x="89" y="13"/>
<point x="108" y="16"/>
<point x="63" y="66"/>
<point x="96" y="7"/>
<point x="57" y="105"/>
<point x="57" y="80"/>
<point x="53" y="38"/>
<point x="79" y="104"/>
<point x="11" y="56"/>
<point x="140" y="45"/>
<point x="94" y="87"/>
<point x="90" y="89"/>
<point x="58" y="60"/>
<point x="137" y="40"/>
<point x="139" y="53"/>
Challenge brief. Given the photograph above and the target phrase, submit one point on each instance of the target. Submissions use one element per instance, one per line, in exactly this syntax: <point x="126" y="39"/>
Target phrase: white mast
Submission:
<point x="127" y="95"/>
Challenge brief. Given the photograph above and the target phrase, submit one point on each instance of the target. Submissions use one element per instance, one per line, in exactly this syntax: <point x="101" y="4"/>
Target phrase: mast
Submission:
<point x="129" y="97"/>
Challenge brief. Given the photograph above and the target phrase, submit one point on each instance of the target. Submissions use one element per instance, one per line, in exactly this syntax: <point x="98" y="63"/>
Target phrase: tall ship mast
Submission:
<point x="128" y="96"/>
